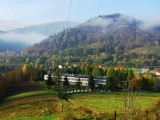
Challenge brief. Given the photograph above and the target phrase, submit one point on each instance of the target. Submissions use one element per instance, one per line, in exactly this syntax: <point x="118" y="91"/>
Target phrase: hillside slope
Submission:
<point x="113" y="35"/>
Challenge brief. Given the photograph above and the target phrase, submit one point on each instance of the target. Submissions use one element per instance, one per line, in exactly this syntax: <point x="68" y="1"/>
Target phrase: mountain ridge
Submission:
<point x="118" y="25"/>
<point x="26" y="36"/>
<point x="45" y="28"/>
<point x="112" y="36"/>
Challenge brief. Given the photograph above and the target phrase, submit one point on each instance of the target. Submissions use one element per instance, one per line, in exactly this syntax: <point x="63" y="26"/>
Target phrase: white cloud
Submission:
<point x="9" y="25"/>
<point x="30" y="38"/>
<point x="100" y="22"/>
<point x="150" y="21"/>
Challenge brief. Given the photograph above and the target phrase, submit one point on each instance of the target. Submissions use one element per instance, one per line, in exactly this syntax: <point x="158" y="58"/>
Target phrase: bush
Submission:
<point x="156" y="87"/>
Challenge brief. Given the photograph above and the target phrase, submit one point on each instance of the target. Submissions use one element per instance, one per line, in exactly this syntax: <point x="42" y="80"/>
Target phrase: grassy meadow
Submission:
<point x="106" y="103"/>
<point x="28" y="94"/>
<point x="109" y="102"/>
<point x="45" y="105"/>
<point x="41" y="107"/>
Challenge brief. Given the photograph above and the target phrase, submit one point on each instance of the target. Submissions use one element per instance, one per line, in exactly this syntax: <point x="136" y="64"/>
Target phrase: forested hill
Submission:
<point x="113" y="37"/>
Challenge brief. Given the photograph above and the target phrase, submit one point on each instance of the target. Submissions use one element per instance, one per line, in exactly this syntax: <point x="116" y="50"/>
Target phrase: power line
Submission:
<point x="69" y="13"/>
<point x="78" y="10"/>
<point x="99" y="7"/>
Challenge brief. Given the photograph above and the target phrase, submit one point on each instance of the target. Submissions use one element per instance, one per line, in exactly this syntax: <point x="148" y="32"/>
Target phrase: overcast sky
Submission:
<point x="20" y="13"/>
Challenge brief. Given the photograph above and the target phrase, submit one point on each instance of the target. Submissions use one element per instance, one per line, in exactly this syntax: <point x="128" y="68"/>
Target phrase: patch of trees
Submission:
<point x="28" y="72"/>
<point x="7" y="79"/>
<point x="3" y="87"/>
<point x="33" y="72"/>
<point x="116" y="79"/>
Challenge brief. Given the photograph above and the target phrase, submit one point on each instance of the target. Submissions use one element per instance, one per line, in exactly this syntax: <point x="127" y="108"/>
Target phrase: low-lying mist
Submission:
<point x="28" y="38"/>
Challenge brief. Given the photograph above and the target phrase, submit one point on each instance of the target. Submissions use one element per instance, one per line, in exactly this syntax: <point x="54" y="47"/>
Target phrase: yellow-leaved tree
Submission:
<point x="25" y="72"/>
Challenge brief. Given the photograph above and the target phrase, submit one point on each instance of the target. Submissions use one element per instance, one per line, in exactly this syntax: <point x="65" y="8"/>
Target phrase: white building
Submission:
<point x="46" y="77"/>
<point x="84" y="80"/>
<point x="60" y="66"/>
<point x="74" y="78"/>
<point x="144" y="70"/>
<point x="100" y="80"/>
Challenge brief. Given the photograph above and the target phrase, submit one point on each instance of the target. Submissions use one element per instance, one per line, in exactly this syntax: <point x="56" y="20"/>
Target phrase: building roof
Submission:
<point x="144" y="70"/>
<point x="119" y="67"/>
<point x="158" y="70"/>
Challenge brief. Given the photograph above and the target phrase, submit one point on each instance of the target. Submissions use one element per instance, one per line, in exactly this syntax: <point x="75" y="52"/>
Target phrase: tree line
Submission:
<point x="28" y="72"/>
<point x="117" y="79"/>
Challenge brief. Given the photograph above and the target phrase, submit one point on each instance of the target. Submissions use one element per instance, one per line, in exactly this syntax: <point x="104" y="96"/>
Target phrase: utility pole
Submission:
<point x="62" y="94"/>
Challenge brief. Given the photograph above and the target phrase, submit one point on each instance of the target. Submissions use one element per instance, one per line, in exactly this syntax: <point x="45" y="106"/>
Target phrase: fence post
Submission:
<point x="147" y="113"/>
<point x="115" y="115"/>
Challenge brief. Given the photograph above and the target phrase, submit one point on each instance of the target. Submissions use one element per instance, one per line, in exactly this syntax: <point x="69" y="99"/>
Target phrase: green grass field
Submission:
<point x="49" y="117"/>
<point x="34" y="93"/>
<point x="45" y="105"/>
<point x="136" y="70"/>
<point x="111" y="101"/>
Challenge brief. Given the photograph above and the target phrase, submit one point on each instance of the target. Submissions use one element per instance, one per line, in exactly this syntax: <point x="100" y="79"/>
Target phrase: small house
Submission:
<point x="119" y="67"/>
<point x="46" y="77"/>
<point x="144" y="70"/>
<point x="157" y="72"/>
<point x="60" y="66"/>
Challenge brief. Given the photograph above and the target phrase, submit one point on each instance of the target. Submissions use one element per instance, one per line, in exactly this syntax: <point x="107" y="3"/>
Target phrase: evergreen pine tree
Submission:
<point x="66" y="82"/>
<point x="91" y="82"/>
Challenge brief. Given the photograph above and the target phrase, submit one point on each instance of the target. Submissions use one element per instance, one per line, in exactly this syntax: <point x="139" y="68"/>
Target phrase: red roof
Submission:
<point x="101" y="65"/>
<point x="119" y="67"/>
<point x="158" y="70"/>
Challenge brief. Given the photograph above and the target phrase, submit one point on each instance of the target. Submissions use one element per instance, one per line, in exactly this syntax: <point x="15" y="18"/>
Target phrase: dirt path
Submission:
<point x="22" y="86"/>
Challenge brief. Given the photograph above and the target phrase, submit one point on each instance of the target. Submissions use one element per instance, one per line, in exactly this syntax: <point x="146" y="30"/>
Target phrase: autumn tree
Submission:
<point x="147" y="82"/>
<point x="25" y="72"/>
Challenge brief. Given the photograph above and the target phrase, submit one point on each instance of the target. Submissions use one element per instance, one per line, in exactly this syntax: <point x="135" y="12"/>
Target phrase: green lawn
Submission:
<point x="49" y="117"/>
<point x="136" y="70"/>
<point x="45" y="105"/>
<point x="111" y="101"/>
<point x="39" y="106"/>
<point x="43" y="85"/>
<point x="33" y="93"/>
